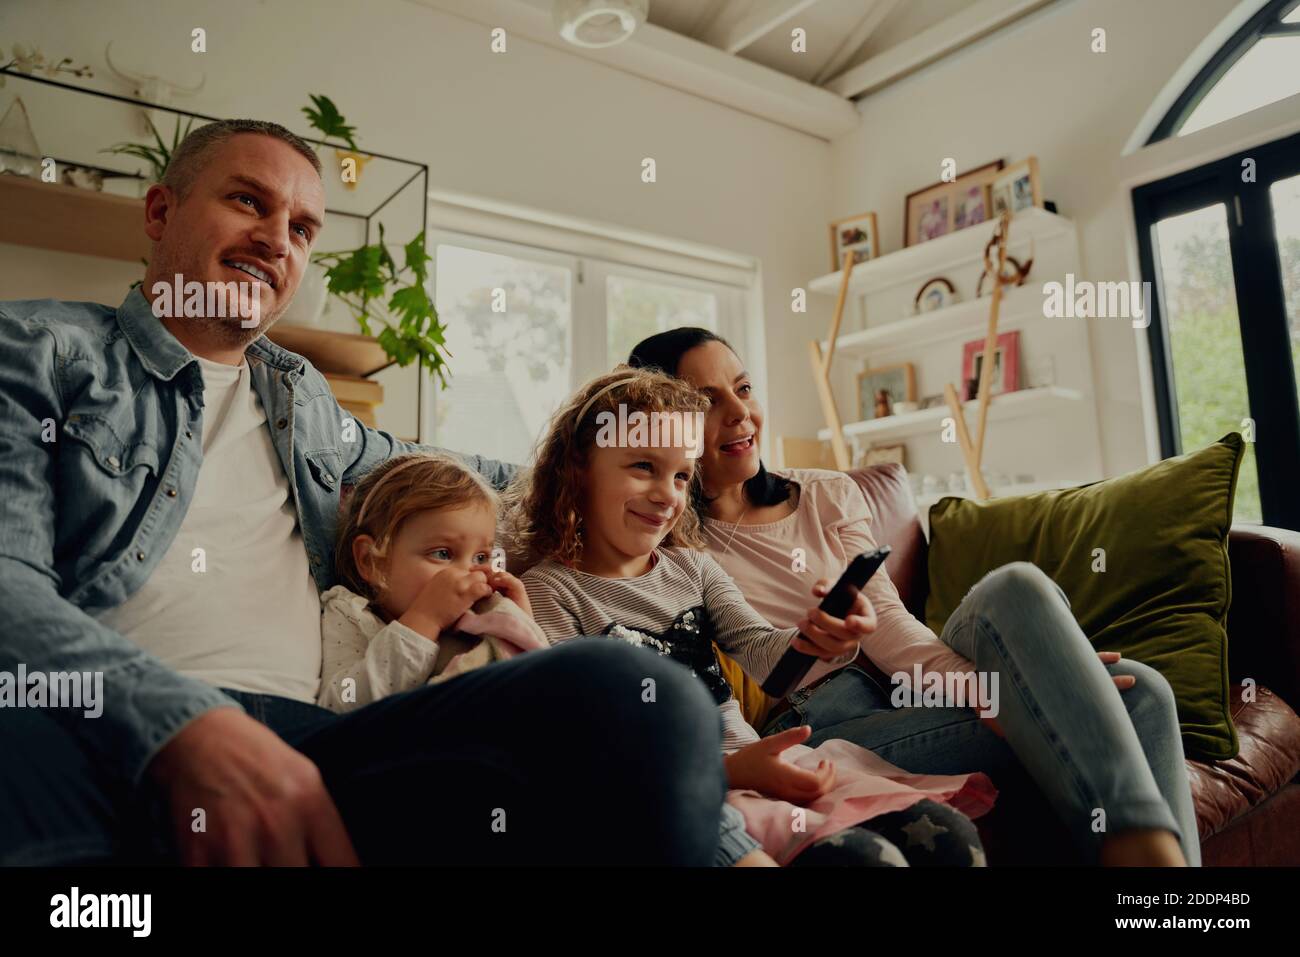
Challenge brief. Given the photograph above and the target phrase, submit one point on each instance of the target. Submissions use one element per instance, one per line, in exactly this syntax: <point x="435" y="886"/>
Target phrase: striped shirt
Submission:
<point x="568" y="603"/>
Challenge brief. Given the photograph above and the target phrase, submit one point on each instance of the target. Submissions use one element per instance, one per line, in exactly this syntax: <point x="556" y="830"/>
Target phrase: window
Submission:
<point x="526" y="326"/>
<point x="509" y="323"/>
<point x="1258" y="66"/>
<point x="1223" y="256"/>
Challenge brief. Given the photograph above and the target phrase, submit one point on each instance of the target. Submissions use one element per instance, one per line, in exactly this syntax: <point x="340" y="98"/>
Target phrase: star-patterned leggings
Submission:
<point x="927" y="834"/>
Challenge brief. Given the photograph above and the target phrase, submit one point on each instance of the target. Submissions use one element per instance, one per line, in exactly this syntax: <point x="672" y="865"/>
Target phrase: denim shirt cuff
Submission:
<point x="167" y="715"/>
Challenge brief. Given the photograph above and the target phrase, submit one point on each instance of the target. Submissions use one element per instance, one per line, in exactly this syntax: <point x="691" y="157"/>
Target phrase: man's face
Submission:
<point x="251" y="215"/>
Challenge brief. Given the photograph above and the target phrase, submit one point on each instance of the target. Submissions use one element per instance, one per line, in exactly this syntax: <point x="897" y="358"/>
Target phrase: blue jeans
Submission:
<point x="1088" y="746"/>
<point x="558" y="746"/>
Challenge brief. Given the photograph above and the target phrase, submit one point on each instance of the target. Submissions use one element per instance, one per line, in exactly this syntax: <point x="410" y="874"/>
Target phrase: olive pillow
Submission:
<point x="1161" y="536"/>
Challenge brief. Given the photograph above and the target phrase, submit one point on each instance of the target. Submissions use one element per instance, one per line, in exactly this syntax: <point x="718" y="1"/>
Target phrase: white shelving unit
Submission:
<point x="1003" y="407"/>
<point x="1046" y="429"/>
<point x="930" y="258"/>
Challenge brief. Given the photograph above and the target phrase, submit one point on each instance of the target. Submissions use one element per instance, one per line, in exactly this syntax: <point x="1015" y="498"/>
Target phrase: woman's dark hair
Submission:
<point x="664" y="352"/>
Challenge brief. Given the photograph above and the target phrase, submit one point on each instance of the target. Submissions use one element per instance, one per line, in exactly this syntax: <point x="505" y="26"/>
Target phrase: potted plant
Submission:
<point x="391" y="299"/>
<point x="325" y="116"/>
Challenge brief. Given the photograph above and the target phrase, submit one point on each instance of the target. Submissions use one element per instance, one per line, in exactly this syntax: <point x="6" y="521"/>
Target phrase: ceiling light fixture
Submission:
<point x="599" y="23"/>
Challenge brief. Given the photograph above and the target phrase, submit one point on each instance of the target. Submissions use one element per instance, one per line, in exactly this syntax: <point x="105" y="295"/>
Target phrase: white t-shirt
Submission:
<point x="244" y="613"/>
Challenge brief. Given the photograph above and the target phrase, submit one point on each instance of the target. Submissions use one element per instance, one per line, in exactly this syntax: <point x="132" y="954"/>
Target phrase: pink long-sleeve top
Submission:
<point x="775" y="565"/>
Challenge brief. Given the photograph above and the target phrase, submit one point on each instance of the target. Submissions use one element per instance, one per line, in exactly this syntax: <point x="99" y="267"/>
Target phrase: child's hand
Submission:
<point x="510" y="586"/>
<point x="759" y="767"/>
<point x="828" y="637"/>
<point x="443" y="599"/>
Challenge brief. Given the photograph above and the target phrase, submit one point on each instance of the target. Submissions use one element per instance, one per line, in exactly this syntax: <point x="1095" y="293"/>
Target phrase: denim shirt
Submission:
<point x="101" y="425"/>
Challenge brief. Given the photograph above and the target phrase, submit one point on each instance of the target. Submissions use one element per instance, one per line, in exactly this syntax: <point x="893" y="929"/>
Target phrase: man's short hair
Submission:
<point x="188" y="159"/>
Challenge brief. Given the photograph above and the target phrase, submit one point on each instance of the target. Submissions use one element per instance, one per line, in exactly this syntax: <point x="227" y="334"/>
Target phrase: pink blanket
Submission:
<point x="865" y="786"/>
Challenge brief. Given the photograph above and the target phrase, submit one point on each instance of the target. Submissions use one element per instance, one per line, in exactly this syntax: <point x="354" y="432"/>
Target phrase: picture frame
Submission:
<point x="1017" y="188"/>
<point x="937" y="293"/>
<point x="1006" y="365"/>
<point x="898" y="379"/>
<point x="857" y="233"/>
<point x="884" y="455"/>
<point x="933" y="211"/>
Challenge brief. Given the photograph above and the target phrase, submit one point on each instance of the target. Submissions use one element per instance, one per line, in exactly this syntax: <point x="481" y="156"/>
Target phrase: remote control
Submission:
<point x="794" y="664"/>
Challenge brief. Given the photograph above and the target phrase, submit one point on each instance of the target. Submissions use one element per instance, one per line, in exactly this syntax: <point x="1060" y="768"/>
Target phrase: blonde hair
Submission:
<point x="391" y="493"/>
<point x="544" y="504"/>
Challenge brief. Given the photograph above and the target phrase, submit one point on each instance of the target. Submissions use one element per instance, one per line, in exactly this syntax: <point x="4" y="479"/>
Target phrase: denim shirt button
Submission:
<point x="189" y="434"/>
<point x="139" y="556"/>
<point x="114" y="462"/>
<point x="282" y="423"/>
<point x="171" y="493"/>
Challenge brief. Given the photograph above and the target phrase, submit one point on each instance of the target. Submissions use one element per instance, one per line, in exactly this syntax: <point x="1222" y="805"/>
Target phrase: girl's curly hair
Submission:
<point x="544" y="504"/>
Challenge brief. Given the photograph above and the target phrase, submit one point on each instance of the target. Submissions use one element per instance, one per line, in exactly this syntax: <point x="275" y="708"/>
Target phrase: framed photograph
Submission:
<point x="884" y="455"/>
<point x="1006" y="365"/>
<point x="857" y="233"/>
<point x="897" y="383"/>
<point x="971" y="206"/>
<point x="938" y="293"/>
<point x="1017" y="188"/>
<point x="946" y="207"/>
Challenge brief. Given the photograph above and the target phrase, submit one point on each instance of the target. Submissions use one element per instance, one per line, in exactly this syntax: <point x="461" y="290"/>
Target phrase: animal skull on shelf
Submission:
<point x="151" y="88"/>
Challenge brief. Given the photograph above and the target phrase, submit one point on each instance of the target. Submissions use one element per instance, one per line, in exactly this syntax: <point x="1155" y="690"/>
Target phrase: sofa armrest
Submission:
<point x="1264" y="619"/>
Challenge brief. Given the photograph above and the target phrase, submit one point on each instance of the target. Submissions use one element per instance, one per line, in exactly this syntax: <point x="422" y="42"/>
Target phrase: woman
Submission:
<point x="1110" y="764"/>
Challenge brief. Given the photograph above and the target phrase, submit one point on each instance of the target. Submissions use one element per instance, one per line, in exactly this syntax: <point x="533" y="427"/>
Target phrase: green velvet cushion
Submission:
<point x="1163" y="597"/>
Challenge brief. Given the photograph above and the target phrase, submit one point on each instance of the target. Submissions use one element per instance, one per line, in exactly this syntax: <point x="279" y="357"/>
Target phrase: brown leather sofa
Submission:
<point x="1248" y="808"/>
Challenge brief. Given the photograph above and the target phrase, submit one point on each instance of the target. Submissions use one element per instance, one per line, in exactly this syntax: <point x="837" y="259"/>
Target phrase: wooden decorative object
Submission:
<point x="822" y="371"/>
<point x="973" y="451"/>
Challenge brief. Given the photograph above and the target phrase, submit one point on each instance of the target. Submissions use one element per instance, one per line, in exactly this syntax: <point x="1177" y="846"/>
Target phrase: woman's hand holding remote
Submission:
<point x="828" y="637"/>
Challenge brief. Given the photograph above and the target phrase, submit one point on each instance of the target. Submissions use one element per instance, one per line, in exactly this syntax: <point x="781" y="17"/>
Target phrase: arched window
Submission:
<point x="1258" y="66"/>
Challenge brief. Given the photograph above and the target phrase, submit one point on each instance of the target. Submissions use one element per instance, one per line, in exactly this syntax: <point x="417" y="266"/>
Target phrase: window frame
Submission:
<point x="588" y="320"/>
<point x="1258" y="289"/>
<point x="1267" y="22"/>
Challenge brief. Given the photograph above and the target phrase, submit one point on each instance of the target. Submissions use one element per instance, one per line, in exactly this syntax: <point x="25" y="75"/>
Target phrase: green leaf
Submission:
<point x="417" y="258"/>
<point x="327" y="118"/>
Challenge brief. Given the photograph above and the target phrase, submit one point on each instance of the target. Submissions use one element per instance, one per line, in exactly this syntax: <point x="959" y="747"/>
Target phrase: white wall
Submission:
<point x="534" y="126"/>
<point x="1036" y="88"/>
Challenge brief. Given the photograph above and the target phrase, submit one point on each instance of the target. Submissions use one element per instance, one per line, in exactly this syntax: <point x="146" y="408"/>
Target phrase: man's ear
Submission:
<point x="159" y="203"/>
<point x="363" y="555"/>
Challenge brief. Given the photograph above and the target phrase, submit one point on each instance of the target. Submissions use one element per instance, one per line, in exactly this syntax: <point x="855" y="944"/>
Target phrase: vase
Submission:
<point x="309" y="301"/>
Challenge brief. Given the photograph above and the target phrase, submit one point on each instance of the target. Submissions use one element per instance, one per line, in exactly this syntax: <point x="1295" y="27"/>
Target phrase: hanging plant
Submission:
<point x="394" y="300"/>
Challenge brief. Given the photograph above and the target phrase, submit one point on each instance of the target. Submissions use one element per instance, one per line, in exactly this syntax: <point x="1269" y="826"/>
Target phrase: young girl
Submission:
<point x="420" y="601"/>
<point x="621" y="557"/>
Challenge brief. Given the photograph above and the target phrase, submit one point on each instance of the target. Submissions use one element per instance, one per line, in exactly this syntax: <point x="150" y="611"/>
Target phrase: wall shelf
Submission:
<point x="1010" y="405"/>
<point x="72" y="220"/>
<point x="938" y="256"/>
<point x="966" y="319"/>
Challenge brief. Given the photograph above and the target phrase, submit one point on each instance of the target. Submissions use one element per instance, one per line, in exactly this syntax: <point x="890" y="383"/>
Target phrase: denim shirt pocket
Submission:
<point x="114" y="455"/>
<point x="326" y="467"/>
<point x="106" y="481"/>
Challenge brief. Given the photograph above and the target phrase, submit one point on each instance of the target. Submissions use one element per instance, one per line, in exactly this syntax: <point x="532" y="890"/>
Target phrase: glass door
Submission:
<point x="1221" y="246"/>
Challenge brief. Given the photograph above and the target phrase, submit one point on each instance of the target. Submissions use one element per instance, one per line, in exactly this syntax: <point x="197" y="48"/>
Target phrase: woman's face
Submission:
<point x="734" y="424"/>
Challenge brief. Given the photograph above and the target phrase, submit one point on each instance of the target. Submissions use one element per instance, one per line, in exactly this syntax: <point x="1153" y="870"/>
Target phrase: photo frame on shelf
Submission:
<point x="938" y="209"/>
<point x="857" y="233"/>
<point x="897" y="382"/>
<point x="937" y="293"/>
<point x="884" y="455"/>
<point x="1006" y="365"/>
<point x="1017" y="188"/>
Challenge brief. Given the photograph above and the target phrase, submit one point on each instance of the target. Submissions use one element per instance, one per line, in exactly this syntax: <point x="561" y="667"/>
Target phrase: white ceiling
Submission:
<point x="738" y="52"/>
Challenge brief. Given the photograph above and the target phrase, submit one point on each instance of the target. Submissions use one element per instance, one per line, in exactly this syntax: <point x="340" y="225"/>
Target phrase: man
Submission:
<point x="168" y="492"/>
